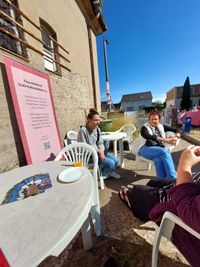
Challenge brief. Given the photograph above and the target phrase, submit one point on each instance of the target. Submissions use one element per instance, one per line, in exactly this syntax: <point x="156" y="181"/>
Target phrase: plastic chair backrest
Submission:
<point x="72" y="137"/>
<point x="165" y="229"/>
<point x="82" y="152"/>
<point x="79" y="152"/>
<point x="129" y="129"/>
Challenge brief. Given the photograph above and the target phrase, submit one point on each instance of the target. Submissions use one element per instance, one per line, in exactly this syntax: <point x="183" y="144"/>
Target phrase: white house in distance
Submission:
<point x="137" y="101"/>
<point x="174" y="96"/>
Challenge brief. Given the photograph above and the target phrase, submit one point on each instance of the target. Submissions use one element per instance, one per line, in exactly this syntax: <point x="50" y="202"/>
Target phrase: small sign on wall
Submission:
<point x="35" y="113"/>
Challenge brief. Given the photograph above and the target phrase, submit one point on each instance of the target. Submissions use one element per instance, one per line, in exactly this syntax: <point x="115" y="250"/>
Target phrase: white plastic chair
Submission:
<point x="71" y="138"/>
<point x="148" y="161"/>
<point x="129" y="129"/>
<point x="165" y="229"/>
<point x="82" y="152"/>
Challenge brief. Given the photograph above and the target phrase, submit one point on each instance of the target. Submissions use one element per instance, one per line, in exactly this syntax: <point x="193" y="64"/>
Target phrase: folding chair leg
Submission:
<point x="102" y="182"/>
<point x="136" y="168"/>
<point x="101" y="178"/>
<point x="149" y="166"/>
<point x="165" y="229"/>
<point x="137" y="164"/>
<point x="156" y="244"/>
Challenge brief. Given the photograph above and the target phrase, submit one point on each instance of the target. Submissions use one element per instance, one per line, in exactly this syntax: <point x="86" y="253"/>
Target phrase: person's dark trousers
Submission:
<point x="143" y="198"/>
<point x="157" y="182"/>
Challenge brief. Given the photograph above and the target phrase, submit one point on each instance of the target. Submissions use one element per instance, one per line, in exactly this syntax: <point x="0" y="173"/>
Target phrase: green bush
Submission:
<point x="115" y="114"/>
<point x="118" y="121"/>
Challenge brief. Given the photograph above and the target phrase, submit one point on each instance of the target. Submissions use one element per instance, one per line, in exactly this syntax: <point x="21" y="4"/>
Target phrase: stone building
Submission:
<point x="57" y="38"/>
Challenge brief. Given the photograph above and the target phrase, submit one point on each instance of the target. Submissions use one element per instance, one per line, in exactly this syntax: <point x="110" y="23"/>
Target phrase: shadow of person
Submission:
<point x="132" y="237"/>
<point x="126" y="242"/>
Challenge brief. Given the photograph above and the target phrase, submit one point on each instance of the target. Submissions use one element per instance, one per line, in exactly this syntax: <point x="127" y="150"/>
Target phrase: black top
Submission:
<point x="151" y="138"/>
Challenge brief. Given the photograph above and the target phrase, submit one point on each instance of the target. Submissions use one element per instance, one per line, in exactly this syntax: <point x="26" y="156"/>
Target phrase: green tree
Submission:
<point x="185" y="102"/>
<point x="159" y="105"/>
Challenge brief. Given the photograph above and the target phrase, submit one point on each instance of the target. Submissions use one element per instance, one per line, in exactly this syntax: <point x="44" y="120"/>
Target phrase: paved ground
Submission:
<point x="125" y="238"/>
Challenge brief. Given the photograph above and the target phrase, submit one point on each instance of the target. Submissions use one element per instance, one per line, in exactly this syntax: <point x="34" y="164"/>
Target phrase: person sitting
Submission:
<point x="91" y="134"/>
<point x="154" y="149"/>
<point x="181" y="197"/>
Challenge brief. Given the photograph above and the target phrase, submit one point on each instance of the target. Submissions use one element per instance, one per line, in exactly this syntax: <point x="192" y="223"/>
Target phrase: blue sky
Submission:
<point x="154" y="45"/>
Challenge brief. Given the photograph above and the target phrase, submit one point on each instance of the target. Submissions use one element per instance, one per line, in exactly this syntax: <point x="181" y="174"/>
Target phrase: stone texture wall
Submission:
<point x="72" y="91"/>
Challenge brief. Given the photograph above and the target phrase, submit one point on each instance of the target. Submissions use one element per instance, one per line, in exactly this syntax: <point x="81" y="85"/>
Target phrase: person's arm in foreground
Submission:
<point x="189" y="157"/>
<point x="186" y="195"/>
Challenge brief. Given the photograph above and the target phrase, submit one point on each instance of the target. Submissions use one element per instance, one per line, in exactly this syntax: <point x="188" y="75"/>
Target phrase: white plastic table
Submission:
<point x="115" y="137"/>
<point x="38" y="226"/>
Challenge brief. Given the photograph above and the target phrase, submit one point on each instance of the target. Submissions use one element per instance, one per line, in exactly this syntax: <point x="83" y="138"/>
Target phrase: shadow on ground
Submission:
<point x="125" y="238"/>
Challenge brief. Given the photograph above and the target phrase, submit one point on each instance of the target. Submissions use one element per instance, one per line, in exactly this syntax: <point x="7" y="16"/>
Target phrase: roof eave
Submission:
<point x="94" y="20"/>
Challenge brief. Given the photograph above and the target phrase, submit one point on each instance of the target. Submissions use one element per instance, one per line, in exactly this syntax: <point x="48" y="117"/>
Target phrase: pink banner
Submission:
<point x="35" y="113"/>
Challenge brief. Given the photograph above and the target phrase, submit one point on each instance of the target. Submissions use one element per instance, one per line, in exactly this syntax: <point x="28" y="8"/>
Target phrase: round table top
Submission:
<point x="32" y="228"/>
<point x="112" y="136"/>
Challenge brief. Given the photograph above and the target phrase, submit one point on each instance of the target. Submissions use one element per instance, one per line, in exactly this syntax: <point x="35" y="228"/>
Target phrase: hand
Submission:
<point x="101" y="154"/>
<point x="190" y="156"/>
<point x="197" y="152"/>
<point x="171" y="140"/>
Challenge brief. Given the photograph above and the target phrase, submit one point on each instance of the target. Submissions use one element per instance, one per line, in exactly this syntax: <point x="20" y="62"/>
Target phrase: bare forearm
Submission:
<point x="169" y="140"/>
<point x="189" y="158"/>
<point x="101" y="153"/>
<point x="184" y="174"/>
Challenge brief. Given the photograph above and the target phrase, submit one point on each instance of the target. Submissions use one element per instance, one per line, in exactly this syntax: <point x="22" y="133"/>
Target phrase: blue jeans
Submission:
<point x="109" y="164"/>
<point x="162" y="159"/>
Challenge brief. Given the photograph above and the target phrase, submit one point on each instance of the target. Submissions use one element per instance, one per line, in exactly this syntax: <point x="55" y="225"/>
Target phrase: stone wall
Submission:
<point x="72" y="91"/>
<point x="72" y="100"/>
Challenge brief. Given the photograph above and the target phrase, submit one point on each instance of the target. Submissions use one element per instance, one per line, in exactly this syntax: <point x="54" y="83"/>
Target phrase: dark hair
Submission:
<point x="153" y="113"/>
<point x="91" y="113"/>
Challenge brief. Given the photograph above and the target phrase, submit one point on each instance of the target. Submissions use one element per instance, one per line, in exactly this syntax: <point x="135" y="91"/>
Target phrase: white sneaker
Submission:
<point x="115" y="175"/>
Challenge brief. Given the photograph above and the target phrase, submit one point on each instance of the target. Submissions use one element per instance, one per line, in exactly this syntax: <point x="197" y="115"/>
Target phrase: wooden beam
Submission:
<point x="34" y="24"/>
<point x="31" y="34"/>
<point x="31" y="47"/>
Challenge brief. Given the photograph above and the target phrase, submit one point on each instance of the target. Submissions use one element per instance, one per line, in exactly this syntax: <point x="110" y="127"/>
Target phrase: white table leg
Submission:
<point x="115" y="147"/>
<point x="86" y="235"/>
<point x="121" y="152"/>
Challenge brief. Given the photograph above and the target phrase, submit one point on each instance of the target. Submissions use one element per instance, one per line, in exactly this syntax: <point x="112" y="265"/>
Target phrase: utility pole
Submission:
<point x="108" y="95"/>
